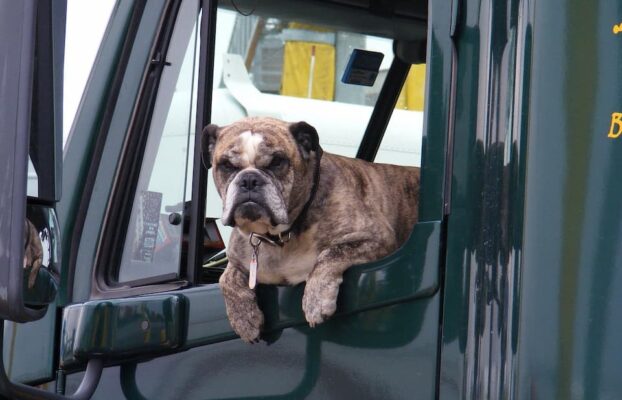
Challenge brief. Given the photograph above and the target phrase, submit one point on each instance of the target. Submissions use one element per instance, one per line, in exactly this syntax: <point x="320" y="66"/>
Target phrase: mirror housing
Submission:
<point x="31" y="45"/>
<point x="17" y="30"/>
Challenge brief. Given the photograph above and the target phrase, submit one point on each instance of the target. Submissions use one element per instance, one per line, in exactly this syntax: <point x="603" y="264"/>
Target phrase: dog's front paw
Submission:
<point x="246" y="320"/>
<point x="319" y="301"/>
<point x="244" y="314"/>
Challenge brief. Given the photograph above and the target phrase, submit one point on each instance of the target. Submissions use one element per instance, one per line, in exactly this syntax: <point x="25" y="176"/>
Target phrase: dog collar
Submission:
<point x="256" y="239"/>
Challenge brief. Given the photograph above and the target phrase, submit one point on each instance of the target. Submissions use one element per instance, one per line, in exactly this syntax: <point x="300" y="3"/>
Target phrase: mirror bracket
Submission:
<point x="86" y="389"/>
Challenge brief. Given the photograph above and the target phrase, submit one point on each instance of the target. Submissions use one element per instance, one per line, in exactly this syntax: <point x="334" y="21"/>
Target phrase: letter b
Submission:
<point x="616" y="125"/>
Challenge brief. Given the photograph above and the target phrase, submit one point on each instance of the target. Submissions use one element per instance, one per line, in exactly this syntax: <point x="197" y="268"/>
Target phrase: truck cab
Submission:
<point x="506" y="288"/>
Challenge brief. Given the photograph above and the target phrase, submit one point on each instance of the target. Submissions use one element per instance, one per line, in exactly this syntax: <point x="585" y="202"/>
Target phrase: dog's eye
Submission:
<point x="277" y="162"/>
<point x="227" y="166"/>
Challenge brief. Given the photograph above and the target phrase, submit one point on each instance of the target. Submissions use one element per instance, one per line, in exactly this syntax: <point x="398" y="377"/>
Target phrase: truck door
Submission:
<point x="142" y="243"/>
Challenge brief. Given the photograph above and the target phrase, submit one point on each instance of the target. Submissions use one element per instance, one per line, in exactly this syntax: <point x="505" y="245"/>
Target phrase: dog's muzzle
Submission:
<point x="251" y="183"/>
<point x="251" y="196"/>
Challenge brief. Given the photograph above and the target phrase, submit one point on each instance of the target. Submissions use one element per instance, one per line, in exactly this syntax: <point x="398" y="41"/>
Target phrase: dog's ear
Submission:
<point x="307" y="138"/>
<point x="208" y="141"/>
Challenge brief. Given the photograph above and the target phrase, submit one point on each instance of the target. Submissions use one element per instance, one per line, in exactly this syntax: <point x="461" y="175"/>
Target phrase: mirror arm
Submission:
<point x="128" y="382"/>
<point x="86" y="389"/>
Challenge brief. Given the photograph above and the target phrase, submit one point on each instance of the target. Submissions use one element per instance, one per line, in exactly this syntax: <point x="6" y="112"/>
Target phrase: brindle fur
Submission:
<point x="361" y="212"/>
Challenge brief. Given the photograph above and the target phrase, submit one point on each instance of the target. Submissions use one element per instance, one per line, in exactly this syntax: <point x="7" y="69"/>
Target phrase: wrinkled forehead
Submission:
<point x="249" y="145"/>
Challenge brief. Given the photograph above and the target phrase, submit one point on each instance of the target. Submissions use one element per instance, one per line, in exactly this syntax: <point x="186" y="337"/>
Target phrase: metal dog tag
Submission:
<point x="252" y="277"/>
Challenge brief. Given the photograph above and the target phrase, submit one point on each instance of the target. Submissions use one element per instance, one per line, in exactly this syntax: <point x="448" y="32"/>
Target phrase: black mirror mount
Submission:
<point x="85" y="391"/>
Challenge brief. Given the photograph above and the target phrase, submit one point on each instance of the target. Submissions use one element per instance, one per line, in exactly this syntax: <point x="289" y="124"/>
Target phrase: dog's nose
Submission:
<point x="251" y="181"/>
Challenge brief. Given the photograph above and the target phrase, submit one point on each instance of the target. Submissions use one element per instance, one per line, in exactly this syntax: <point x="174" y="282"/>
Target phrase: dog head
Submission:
<point x="263" y="169"/>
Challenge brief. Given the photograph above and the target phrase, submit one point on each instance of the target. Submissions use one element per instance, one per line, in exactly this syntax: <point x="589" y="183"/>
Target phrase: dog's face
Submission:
<point x="263" y="170"/>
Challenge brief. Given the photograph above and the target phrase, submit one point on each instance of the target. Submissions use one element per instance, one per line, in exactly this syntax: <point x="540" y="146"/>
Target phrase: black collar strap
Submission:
<point x="284" y="237"/>
<point x="256" y="239"/>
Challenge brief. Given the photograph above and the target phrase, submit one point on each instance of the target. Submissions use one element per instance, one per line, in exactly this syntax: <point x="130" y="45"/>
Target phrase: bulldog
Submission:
<point x="300" y="214"/>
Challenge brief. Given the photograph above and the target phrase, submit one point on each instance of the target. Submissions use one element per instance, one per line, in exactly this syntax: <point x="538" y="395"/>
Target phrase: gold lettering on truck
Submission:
<point x="616" y="125"/>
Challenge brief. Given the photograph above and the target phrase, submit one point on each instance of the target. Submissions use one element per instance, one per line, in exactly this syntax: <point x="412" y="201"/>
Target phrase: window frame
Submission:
<point x="120" y="205"/>
<point x="406" y="54"/>
<point x="181" y="62"/>
<point x="198" y="197"/>
<point x="119" y="208"/>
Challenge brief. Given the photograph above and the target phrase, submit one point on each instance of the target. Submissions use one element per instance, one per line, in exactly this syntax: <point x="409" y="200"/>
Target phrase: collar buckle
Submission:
<point x="256" y="239"/>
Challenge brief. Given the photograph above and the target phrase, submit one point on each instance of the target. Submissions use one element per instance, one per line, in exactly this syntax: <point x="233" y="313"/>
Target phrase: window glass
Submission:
<point x="292" y="71"/>
<point x="86" y="24"/>
<point x="154" y="239"/>
<point x="32" y="187"/>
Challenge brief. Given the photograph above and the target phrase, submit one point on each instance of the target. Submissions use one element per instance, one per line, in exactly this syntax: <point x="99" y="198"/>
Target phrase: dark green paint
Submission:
<point x="117" y="329"/>
<point x="571" y="282"/>
<point x="532" y="278"/>
<point x="579" y="78"/>
<point x="111" y="327"/>
<point x="484" y="233"/>
<point x="437" y="123"/>
<point x="303" y="361"/>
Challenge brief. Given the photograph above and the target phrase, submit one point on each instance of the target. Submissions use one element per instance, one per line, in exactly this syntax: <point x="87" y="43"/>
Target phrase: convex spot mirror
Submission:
<point x="41" y="257"/>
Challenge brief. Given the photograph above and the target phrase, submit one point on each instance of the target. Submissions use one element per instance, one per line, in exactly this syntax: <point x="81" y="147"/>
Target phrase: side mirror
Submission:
<point x="30" y="129"/>
<point x="31" y="46"/>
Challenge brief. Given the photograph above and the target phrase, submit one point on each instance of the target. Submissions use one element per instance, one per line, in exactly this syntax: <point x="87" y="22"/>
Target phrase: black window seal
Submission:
<point x="46" y="118"/>
<point x="381" y="114"/>
<point x="406" y="54"/>
<point x="204" y="115"/>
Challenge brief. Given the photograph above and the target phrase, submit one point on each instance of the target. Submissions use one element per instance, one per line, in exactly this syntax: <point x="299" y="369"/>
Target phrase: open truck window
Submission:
<point x="296" y="71"/>
<point x="262" y="66"/>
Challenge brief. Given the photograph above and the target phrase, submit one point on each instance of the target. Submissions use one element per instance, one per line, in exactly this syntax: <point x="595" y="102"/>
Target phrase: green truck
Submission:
<point x="506" y="289"/>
